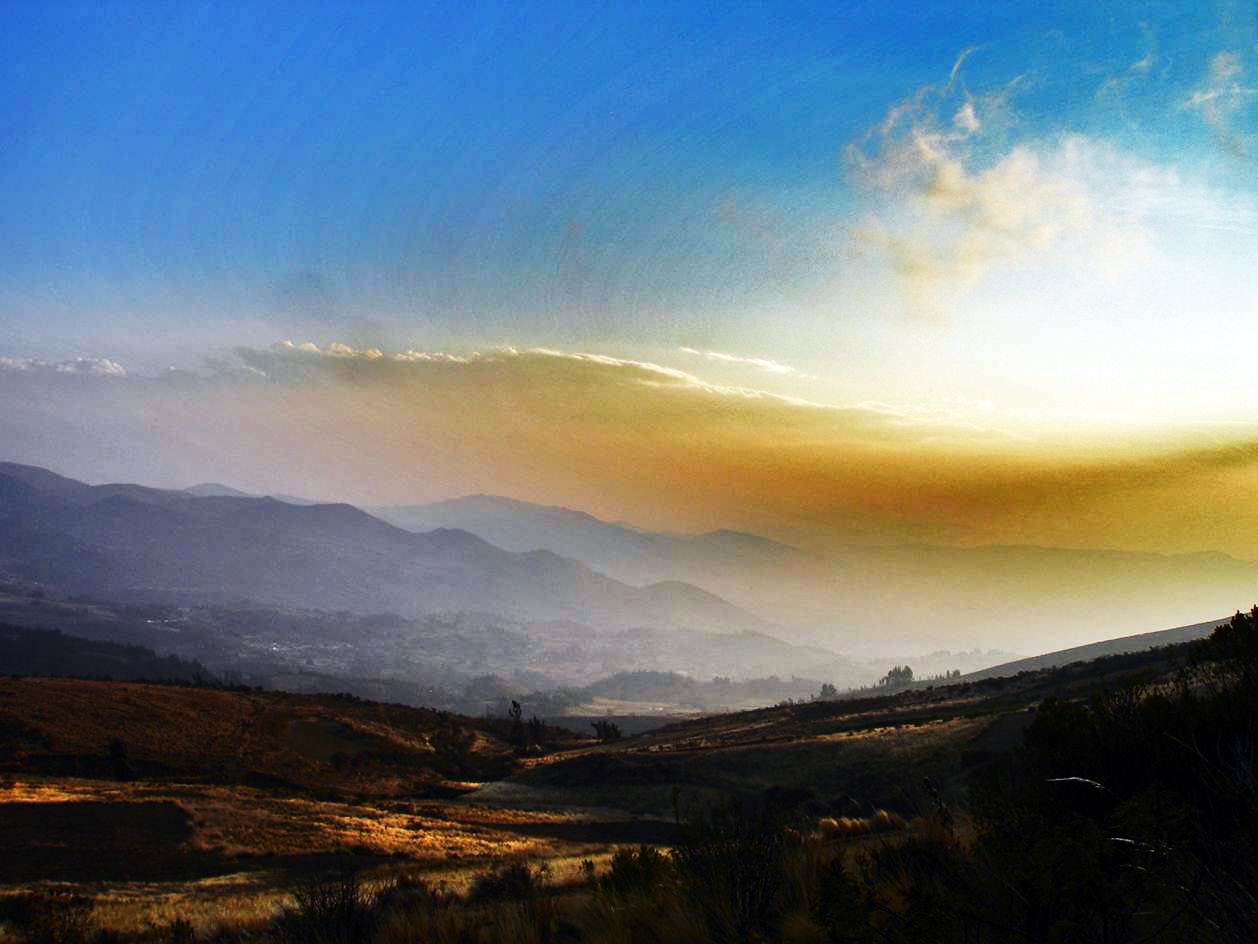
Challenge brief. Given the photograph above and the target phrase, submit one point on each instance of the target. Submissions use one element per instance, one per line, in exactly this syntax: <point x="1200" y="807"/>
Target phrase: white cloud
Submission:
<point x="950" y="203"/>
<point x="761" y="363"/>
<point x="413" y="356"/>
<point x="947" y="210"/>
<point x="79" y="366"/>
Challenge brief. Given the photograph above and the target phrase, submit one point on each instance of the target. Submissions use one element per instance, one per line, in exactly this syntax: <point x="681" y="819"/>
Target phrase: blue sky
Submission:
<point x="177" y="180"/>
<point x="891" y="271"/>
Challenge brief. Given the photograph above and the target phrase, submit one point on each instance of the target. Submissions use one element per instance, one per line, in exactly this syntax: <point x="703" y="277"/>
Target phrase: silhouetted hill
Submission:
<point x="26" y="651"/>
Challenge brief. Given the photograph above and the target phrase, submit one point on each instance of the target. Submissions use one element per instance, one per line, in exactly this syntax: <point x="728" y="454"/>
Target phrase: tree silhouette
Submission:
<point x="537" y="730"/>
<point x="606" y="730"/>
<point x="516" y="714"/>
<point x="899" y="676"/>
<point x="118" y="759"/>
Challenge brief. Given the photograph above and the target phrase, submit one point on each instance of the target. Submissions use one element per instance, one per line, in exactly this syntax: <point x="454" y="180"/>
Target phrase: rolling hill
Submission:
<point x="325" y="743"/>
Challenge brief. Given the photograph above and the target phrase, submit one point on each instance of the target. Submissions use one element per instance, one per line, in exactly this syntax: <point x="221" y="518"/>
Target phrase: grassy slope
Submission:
<point x="324" y="743"/>
<point x="852" y="755"/>
<point x="251" y="786"/>
<point x="258" y="785"/>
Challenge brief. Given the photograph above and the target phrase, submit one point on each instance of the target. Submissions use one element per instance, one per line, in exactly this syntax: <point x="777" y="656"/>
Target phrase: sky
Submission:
<point x="837" y="272"/>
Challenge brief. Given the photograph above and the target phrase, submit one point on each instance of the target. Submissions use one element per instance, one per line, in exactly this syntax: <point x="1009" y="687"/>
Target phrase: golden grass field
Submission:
<point x="236" y="795"/>
<point x="249" y="843"/>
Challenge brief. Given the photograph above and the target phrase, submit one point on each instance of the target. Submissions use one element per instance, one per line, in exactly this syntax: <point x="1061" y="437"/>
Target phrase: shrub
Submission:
<point x="514" y="881"/>
<point x="118" y="763"/>
<point x="637" y="871"/>
<point x="729" y="860"/>
<point x="335" y="910"/>
<point x="412" y="912"/>
<point x="179" y="931"/>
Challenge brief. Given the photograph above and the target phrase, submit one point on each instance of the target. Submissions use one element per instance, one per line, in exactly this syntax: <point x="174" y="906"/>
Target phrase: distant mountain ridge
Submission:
<point x="898" y="597"/>
<point x="216" y="490"/>
<point x="893" y="599"/>
<point x="622" y="551"/>
<point x="169" y="545"/>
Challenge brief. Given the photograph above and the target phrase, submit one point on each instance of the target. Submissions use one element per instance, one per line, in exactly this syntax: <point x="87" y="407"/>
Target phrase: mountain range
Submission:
<point x="621" y="550"/>
<point x="485" y="553"/>
<point x="889" y="599"/>
<point x="133" y="542"/>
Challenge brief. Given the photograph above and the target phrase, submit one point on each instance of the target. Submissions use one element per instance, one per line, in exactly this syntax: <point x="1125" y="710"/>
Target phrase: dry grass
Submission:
<point x="266" y="836"/>
<point x="315" y="742"/>
<point x="258" y="788"/>
<point x="249" y="822"/>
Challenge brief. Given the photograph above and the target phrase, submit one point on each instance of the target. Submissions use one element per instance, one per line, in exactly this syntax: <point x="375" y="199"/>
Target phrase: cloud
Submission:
<point x="79" y="367"/>
<point x="949" y="211"/>
<point x="613" y="394"/>
<point x="608" y="378"/>
<point x="953" y="196"/>
<point x="1115" y="90"/>
<point x="1221" y="97"/>
<point x="760" y="363"/>
<point x="957" y="224"/>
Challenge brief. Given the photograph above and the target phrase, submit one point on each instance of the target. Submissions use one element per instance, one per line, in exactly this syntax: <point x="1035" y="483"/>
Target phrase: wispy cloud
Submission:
<point x="948" y="211"/>
<point x="1221" y="97"/>
<point x="1115" y="90"/>
<point x="497" y="385"/>
<point x="288" y="361"/>
<point x="760" y="363"/>
<point x="954" y="195"/>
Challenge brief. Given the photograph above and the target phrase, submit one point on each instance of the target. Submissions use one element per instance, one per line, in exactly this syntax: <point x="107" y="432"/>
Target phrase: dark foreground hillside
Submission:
<point x="1109" y="802"/>
<point x="850" y="756"/>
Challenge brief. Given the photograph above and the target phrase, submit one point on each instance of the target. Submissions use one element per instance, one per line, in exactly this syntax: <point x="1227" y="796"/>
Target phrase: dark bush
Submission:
<point x="637" y="871"/>
<point x="336" y="910"/>
<point x="606" y="731"/>
<point x="514" y="881"/>
<point x="729" y="860"/>
<point x="119" y="766"/>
